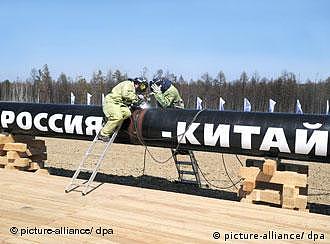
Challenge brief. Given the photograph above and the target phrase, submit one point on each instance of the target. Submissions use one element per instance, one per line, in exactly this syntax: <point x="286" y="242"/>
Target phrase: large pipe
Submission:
<point x="288" y="136"/>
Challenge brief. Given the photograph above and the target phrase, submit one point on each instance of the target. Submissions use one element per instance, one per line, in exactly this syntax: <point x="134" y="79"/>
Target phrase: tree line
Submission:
<point x="40" y="87"/>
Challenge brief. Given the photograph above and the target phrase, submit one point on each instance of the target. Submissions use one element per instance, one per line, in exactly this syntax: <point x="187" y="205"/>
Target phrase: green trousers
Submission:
<point x="116" y="114"/>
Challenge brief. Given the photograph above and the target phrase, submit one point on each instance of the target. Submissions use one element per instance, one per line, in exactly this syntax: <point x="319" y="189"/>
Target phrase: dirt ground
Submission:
<point x="128" y="160"/>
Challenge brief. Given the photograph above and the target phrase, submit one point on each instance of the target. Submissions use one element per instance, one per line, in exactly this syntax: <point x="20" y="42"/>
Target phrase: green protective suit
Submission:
<point x="170" y="98"/>
<point x="116" y="106"/>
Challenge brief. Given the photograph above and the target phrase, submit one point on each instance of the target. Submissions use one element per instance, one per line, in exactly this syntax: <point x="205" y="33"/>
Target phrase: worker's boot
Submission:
<point x="104" y="138"/>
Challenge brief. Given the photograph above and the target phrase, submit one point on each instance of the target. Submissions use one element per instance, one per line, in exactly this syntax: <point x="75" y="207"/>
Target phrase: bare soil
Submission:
<point x="128" y="161"/>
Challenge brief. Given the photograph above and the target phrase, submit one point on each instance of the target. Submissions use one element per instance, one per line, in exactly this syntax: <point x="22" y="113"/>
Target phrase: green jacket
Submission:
<point x="170" y="98"/>
<point x="123" y="93"/>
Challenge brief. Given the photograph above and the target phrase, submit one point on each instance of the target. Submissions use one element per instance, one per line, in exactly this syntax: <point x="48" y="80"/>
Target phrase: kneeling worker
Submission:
<point x="116" y="107"/>
<point x="166" y="94"/>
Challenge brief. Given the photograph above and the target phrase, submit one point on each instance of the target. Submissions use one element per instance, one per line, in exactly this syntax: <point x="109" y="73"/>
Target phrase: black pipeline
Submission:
<point x="290" y="136"/>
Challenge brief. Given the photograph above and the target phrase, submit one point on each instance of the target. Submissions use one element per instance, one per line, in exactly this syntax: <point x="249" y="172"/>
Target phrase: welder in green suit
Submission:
<point x="116" y="107"/>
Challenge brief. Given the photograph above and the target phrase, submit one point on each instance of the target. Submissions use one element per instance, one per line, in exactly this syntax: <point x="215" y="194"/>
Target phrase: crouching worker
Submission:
<point x="166" y="94"/>
<point x="116" y="107"/>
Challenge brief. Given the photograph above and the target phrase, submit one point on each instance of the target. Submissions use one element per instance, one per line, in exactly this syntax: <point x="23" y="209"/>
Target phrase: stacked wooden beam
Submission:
<point x="22" y="152"/>
<point x="265" y="183"/>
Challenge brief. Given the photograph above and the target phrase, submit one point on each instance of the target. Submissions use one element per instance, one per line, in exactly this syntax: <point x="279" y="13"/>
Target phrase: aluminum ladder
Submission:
<point x="74" y="184"/>
<point x="187" y="167"/>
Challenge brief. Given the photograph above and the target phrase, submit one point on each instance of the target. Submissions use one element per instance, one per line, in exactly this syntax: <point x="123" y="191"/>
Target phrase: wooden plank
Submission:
<point x="19" y="147"/>
<point x="279" y="177"/>
<point x="6" y="139"/>
<point x="137" y="215"/>
<point x="269" y="167"/>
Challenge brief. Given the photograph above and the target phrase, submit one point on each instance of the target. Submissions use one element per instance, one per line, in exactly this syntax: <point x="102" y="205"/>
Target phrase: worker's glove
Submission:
<point x="155" y="89"/>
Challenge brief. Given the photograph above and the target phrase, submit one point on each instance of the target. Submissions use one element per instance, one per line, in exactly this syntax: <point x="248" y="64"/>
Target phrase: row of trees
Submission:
<point x="285" y="89"/>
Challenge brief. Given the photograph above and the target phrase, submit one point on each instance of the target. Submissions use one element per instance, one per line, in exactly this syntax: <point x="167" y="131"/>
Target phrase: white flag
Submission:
<point x="298" y="108"/>
<point x="89" y="98"/>
<point x="72" y="98"/>
<point x="327" y="109"/>
<point x="247" y="105"/>
<point x="199" y="103"/>
<point x="271" y="105"/>
<point x="221" y="104"/>
<point x="102" y="98"/>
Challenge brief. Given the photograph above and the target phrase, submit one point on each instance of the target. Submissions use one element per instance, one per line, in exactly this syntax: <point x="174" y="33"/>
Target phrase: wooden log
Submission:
<point x="291" y="198"/>
<point x="269" y="167"/>
<point x="289" y="202"/>
<point x="248" y="186"/>
<point x="22" y="162"/>
<point x="3" y="160"/>
<point x="13" y="155"/>
<point x="281" y="166"/>
<point x="290" y="191"/>
<point x="9" y="166"/>
<point x="34" y="166"/>
<point x="19" y="147"/>
<point x="268" y="196"/>
<point x="279" y="177"/>
<point x="301" y="202"/>
<point x="285" y="178"/>
<point x="41" y="172"/>
<point x="249" y="173"/>
<point x="246" y="200"/>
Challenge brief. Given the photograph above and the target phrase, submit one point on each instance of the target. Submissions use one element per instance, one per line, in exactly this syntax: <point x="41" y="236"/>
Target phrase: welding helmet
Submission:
<point x="142" y="84"/>
<point x="157" y="81"/>
<point x="166" y="83"/>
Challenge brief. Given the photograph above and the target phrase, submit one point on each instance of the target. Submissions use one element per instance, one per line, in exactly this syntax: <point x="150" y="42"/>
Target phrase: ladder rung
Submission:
<point x="182" y="172"/>
<point x="85" y="169"/>
<point x="189" y="181"/>
<point x="183" y="163"/>
<point x="94" y="154"/>
<point x="182" y="152"/>
<point x="73" y="185"/>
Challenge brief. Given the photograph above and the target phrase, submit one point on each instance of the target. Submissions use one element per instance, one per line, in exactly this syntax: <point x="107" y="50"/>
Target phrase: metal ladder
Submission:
<point x="87" y="184"/>
<point x="191" y="163"/>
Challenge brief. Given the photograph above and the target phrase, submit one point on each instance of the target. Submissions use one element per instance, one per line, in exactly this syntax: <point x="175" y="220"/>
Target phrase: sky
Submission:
<point x="188" y="37"/>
